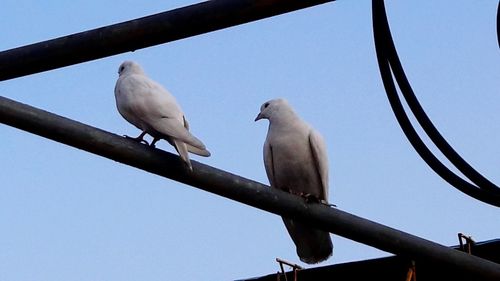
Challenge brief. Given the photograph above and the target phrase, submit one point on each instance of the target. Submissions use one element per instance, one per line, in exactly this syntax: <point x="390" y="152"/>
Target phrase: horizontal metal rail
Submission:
<point x="141" y="33"/>
<point x="243" y="190"/>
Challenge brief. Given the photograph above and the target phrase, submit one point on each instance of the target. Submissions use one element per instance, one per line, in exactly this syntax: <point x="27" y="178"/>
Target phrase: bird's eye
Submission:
<point x="121" y="68"/>
<point x="266" y="105"/>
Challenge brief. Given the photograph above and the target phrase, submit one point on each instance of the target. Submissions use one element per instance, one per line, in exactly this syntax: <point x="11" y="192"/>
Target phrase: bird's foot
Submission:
<point x="324" y="202"/>
<point x="307" y="196"/>
<point x="310" y="198"/>
<point x="138" y="139"/>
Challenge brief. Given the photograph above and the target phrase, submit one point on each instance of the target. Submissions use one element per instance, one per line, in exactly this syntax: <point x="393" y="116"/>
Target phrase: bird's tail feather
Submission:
<point x="190" y="148"/>
<point x="198" y="151"/>
<point x="313" y="245"/>
<point x="183" y="153"/>
<point x="173" y="128"/>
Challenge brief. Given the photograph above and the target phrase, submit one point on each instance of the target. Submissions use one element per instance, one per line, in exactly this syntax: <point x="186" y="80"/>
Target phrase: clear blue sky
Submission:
<point x="69" y="215"/>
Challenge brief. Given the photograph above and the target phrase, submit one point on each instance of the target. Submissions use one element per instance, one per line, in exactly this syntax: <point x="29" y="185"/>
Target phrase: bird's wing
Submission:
<point x="186" y="124"/>
<point x="156" y="107"/>
<point x="198" y="151"/>
<point x="183" y="153"/>
<point x="172" y="127"/>
<point x="320" y="159"/>
<point x="269" y="163"/>
<point x="144" y="98"/>
<point x="160" y="102"/>
<point x="192" y="149"/>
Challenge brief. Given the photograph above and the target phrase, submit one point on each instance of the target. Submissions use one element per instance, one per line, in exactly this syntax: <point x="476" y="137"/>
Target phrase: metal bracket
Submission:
<point x="295" y="268"/>
<point x="411" y="275"/>
<point x="466" y="243"/>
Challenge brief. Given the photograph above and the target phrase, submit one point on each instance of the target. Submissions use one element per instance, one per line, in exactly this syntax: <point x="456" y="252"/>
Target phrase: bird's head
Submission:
<point x="129" y="67"/>
<point x="271" y="109"/>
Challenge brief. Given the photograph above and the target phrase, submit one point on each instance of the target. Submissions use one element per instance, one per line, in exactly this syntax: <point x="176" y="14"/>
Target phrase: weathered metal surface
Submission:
<point x="141" y="33"/>
<point x="242" y="190"/>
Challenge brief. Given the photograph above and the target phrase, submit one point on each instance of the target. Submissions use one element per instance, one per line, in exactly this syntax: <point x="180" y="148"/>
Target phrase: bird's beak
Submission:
<point x="259" y="116"/>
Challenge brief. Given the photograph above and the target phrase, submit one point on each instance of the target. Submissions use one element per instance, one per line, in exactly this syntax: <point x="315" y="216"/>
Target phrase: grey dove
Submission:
<point x="153" y="110"/>
<point x="296" y="161"/>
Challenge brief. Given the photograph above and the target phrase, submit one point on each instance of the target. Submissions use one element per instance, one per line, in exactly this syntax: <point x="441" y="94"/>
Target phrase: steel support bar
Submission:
<point x="141" y="33"/>
<point x="240" y="189"/>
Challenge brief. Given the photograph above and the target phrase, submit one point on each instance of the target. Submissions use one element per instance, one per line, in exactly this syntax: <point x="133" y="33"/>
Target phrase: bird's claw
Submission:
<point x="137" y="139"/>
<point x="324" y="202"/>
<point x="314" y="199"/>
<point x="310" y="198"/>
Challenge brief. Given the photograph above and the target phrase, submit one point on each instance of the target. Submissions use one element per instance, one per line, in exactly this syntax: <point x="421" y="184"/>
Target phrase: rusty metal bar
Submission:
<point x="141" y="33"/>
<point x="243" y="190"/>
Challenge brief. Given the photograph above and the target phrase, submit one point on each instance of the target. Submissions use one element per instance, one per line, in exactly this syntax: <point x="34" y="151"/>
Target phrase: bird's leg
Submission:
<point x="309" y="197"/>
<point x="139" y="139"/>
<point x="314" y="199"/>
<point x="155" y="140"/>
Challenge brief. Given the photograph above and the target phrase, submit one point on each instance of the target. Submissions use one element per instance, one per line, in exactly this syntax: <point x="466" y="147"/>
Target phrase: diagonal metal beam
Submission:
<point x="141" y="33"/>
<point x="243" y="190"/>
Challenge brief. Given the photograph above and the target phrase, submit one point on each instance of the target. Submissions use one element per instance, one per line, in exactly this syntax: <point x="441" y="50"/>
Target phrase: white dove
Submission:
<point x="296" y="161"/>
<point x="151" y="108"/>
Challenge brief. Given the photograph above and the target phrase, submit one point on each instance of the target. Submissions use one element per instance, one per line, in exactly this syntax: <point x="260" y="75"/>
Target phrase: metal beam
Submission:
<point x="392" y="268"/>
<point x="243" y="190"/>
<point x="141" y="33"/>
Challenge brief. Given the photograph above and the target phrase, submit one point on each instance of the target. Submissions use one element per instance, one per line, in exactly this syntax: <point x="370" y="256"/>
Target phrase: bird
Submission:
<point x="296" y="161"/>
<point x="152" y="109"/>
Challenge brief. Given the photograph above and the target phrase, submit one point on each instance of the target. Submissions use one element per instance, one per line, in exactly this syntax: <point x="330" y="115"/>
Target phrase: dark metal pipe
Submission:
<point x="390" y="67"/>
<point x="141" y="33"/>
<point x="498" y="24"/>
<point x="242" y="190"/>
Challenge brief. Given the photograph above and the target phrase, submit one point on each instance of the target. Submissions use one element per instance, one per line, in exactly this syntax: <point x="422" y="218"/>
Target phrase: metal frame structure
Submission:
<point x="392" y="73"/>
<point x="392" y="268"/>
<point x="182" y="23"/>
